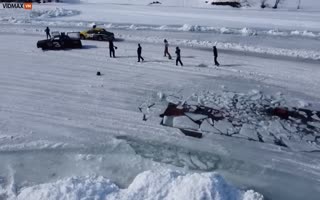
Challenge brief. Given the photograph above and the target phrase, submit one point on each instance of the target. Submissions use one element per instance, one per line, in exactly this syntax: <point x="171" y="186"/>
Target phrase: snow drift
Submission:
<point x="51" y="13"/>
<point x="149" y="185"/>
<point x="287" y="4"/>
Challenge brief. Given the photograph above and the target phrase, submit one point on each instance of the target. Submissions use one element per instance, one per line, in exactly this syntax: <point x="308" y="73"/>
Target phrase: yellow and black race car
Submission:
<point x="97" y="34"/>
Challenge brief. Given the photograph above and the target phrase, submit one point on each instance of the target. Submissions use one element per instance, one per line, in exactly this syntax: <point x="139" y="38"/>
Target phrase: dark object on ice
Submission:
<point x="178" y="60"/>
<point x="98" y="73"/>
<point x="283" y="113"/>
<point x="62" y="41"/>
<point x="304" y="115"/>
<point x="172" y="110"/>
<point x="215" y="54"/>
<point x="139" y="51"/>
<point x="155" y="2"/>
<point x="47" y="30"/>
<point x="166" y="49"/>
<point x="276" y="4"/>
<point x="94" y="26"/>
<point x="191" y="133"/>
<point x="196" y="113"/>
<point x="112" y="49"/>
<point x="232" y="4"/>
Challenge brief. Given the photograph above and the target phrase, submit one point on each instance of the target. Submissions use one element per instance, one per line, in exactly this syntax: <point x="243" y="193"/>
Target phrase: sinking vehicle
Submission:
<point x="71" y="40"/>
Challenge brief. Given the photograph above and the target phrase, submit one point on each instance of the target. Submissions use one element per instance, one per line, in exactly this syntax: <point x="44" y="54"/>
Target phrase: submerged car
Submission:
<point x="71" y="40"/>
<point x="97" y="34"/>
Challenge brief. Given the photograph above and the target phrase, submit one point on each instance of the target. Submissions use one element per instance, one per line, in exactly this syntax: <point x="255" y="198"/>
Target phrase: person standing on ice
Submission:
<point x="178" y="60"/>
<point x="166" y="49"/>
<point x="139" y="51"/>
<point x="112" y="49"/>
<point x="215" y="54"/>
<point x="47" y="30"/>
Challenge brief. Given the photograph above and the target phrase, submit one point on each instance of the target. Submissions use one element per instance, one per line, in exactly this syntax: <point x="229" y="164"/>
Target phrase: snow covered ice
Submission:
<point x="66" y="133"/>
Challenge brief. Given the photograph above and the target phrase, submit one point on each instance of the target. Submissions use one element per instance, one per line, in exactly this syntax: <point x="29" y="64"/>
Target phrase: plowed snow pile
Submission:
<point x="51" y="13"/>
<point x="157" y="185"/>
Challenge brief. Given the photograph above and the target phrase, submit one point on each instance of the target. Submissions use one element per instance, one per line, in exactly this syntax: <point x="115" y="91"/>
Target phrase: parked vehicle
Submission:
<point x="97" y="34"/>
<point x="70" y="40"/>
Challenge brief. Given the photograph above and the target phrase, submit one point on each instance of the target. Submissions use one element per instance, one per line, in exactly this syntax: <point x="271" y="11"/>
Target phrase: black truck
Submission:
<point x="71" y="40"/>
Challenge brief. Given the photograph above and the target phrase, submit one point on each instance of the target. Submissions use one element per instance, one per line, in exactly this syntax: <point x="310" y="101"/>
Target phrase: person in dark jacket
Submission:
<point x="215" y="54"/>
<point x="47" y="30"/>
<point x="139" y="51"/>
<point x="112" y="49"/>
<point x="178" y="60"/>
<point x="166" y="49"/>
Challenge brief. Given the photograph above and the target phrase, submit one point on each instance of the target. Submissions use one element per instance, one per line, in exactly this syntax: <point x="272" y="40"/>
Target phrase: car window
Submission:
<point x="90" y="31"/>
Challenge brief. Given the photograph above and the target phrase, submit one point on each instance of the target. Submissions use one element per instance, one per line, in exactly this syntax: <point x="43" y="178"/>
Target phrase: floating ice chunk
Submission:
<point x="249" y="131"/>
<point x="223" y="126"/>
<point x="300" y="146"/>
<point x="265" y="136"/>
<point x="314" y="124"/>
<point x="184" y="122"/>
<point x="167" y="121"/>
<point x="196" y="117"/>
<point x="173" y="100"/>
<point x="207" y="127"/>
<point x="277" y="129"/>
<point x="315" y="117"/>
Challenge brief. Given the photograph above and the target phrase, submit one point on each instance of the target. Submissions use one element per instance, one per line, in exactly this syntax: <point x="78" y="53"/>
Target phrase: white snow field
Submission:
<point x="66" y="133"/>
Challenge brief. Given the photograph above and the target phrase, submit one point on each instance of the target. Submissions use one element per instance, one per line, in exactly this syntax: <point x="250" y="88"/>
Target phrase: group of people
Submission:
<point x="112" y="48"/>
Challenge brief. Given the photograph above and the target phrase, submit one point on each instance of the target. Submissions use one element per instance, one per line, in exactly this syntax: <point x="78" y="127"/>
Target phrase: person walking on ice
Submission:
<point x="215" y="54"/>
<point x="178" y="60"/>
<point x="139" y="51"/>
<point x="47" y="30"/>
<point x="111" y="49"/>
<point x="166" y="49"/>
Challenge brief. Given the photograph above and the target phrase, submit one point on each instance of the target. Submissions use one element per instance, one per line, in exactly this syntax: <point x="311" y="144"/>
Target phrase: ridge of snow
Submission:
<point x="162" y="184"/>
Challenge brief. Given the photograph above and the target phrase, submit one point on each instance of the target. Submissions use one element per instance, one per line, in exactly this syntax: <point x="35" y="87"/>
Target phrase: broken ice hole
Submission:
<point x="197" y="120"/>
<point x="189" y="119"/>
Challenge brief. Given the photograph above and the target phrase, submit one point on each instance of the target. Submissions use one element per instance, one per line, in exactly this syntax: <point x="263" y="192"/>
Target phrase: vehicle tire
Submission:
<point x="82" y="37"/>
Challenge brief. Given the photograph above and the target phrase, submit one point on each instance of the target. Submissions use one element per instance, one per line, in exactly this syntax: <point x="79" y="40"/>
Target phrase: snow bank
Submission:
<point x="288" y="4"/>
<point x="296" y="53"/>
<point x="149" y="185"/>
<point x="70" y="188"/>
<point x="52" y="13"/>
